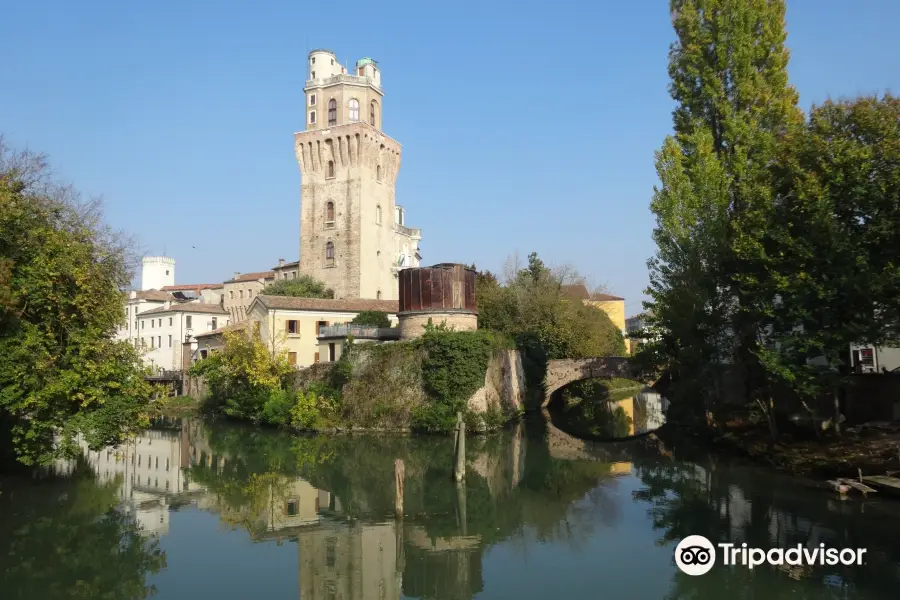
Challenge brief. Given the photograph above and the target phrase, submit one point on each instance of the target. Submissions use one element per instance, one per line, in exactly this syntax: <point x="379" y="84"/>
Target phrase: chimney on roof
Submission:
<point x="280" y="262"/>
<point x="237" y="274"/>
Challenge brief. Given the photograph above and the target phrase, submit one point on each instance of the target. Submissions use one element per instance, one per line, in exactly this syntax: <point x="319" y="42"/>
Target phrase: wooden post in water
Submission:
<point x="461" y="503"/>
<point x="459" y="470"/>
<point x="399" y="474"/>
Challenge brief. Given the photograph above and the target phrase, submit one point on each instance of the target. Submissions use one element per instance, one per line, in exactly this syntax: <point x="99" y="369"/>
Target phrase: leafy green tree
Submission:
<point x="532" y="305"/>
<point x="62" y="275"/>
<point x="245" y="375"/>
<point x="836" y="243"/>
<point x="304" y="286"/>
<point x="728" y="69"/>
<point x="372" y="318"/>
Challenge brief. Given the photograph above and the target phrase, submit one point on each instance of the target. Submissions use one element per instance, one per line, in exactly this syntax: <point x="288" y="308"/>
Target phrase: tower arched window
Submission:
<point x="329" y="254"/>
<point x="353" y="105"/>
<point x="329" y="214"/>
<point x="378" y="295"/>
<point x="330" y="169"/>
<point x="372" y="113"/>
<point x="378" y="214"/>
<point x="332" y="112"/>
<point x="378" y="172"/>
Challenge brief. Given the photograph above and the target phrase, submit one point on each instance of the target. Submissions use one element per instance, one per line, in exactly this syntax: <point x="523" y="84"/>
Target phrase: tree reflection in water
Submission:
<point x="445" y="529"/>
<point x="741" y="505"/>
<point x="535" y="492"/>
<point x="66" y="538"/>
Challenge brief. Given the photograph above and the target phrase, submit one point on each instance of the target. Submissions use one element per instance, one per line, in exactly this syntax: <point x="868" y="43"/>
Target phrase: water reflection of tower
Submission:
<point x="348" y="561"/>
<point x="443" y="568"/>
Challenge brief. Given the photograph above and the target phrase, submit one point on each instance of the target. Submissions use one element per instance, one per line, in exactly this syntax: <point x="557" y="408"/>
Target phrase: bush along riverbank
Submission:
<point x="416" y="385"/>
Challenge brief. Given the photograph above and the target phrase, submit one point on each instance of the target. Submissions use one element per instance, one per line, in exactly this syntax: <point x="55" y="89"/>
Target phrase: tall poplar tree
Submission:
<point x="711" y="297"/>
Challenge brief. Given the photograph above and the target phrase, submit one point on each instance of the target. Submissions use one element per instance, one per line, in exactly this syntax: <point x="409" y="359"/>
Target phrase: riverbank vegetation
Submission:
<point x="62" y="278"/>
<point x="777" y="233"/>
<point x="417" y="385"/>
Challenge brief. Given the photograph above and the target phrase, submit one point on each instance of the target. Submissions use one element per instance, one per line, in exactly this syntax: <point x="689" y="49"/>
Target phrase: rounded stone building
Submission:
<point x="444" y="293"/>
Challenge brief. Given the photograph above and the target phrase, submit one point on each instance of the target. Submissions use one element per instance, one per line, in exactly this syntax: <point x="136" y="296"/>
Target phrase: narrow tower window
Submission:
<point x="378" y="172"/>
<point x="378" y="295"/>
<point x="378" y="214"/>
<point x="312" y="117"/>
<point x="332" y="112"/>
<point x="353" y="105"/>
<point x="330" y="171"/>
<point x="372" y="114"/>
<point x="329" y="213"/>
<point x="329" y="254"/>
<point x="312" y="99"/>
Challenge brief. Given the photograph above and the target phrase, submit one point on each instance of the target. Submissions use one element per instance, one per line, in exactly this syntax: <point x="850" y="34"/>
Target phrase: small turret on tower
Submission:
<point x="337" y="97"/>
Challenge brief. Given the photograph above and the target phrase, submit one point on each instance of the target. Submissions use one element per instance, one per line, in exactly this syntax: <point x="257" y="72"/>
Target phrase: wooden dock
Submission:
<point x="883" y="483"/>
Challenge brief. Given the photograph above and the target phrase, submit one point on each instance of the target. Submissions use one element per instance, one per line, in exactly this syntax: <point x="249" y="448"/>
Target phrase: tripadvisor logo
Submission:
<point x="696" y="555"/>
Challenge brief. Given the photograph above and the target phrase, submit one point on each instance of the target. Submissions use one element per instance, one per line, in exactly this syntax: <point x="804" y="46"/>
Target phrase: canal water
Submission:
<point x="198" y="510"/>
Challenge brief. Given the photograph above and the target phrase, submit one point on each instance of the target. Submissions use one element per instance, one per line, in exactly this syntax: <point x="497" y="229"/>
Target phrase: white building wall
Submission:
<point x="161" y="335"/>
<point x="133" y="307"/>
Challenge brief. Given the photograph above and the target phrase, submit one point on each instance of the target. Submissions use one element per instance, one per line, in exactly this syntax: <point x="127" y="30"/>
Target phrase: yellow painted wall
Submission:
<point x="627" y="405"/>
<point x="305" y="343"/>
<point x="615" y="309"/>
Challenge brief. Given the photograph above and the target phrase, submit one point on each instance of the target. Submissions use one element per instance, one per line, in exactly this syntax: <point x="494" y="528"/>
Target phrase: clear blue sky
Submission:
<point x="525" y="126"/>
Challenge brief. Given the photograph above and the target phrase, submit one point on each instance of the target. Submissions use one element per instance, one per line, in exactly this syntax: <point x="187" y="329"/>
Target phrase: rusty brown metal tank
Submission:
<point x="440" y="288"/>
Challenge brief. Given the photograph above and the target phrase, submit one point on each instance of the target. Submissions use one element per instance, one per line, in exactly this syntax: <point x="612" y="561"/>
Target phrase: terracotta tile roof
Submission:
<point x="221" y="330"/>
<point x="323" y="304"/>
<point x="156" y="295"/>
<point x="192" y="286"/>
<point x="606" y="298"/>
<point x="191" y="307"/>
<point x="253" y="276"/>
<point x="575" y="292"/>
<point x="579" y="292"/>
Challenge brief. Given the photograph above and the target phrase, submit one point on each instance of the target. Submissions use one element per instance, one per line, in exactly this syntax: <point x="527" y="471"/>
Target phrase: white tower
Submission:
<point x="157" y="272"/>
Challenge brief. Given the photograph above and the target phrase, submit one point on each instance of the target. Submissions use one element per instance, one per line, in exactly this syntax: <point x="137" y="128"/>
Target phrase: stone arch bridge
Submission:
<point x="561" y="373"/>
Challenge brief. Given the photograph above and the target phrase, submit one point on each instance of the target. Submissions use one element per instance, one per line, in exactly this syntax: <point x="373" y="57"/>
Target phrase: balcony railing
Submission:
<point x="408" y="231"/>
<point x="347" y="78"/>
<point x="360" y="331"/>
